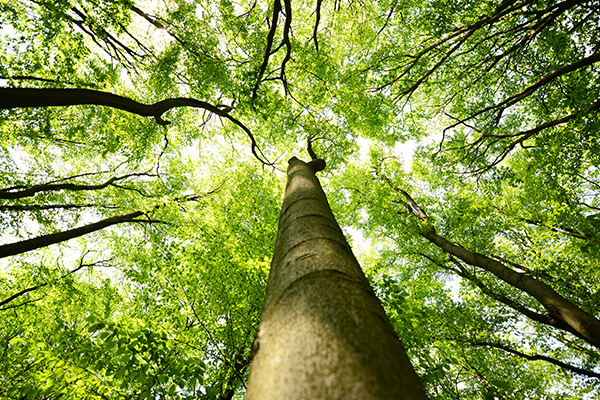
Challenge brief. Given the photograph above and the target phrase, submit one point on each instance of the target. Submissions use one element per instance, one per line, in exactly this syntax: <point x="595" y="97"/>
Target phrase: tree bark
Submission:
<point x="53" y="238"/>
<point x="323" y="333"/>
<point x="582" y="322"/>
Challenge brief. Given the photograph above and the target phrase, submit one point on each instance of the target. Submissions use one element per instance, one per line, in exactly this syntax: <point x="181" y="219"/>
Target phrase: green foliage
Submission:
<point x="167" y="306"/>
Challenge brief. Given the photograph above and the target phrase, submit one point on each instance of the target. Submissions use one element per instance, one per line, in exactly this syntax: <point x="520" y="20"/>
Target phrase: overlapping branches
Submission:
<point x="269" y="50"/>
<point x="500" y="107"/>
<point x="41" y="207"/>
<point x="575" y="233"/>
<point x="495" y="45"/>
<point x="193" y="48"/>
<point x="99" y="33"/>
<point x="454" y="40"/>
<point x="115" y="47"/>
<point x="448" y="45"/>
<point x="478" y="148"/>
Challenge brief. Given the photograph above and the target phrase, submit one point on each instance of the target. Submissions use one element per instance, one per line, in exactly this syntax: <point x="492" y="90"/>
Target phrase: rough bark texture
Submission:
<point x="586" y="325"/>
<point x="323" y="333"/>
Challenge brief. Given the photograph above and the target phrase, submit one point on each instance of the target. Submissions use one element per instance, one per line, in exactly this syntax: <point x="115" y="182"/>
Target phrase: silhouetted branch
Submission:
<point x="317" y="20"/>
<point x="40" y="207"/>
<point x="286" y="40"/>
<point x="32" y="191"/>
<point x="270" y="38"/>
<point x="53" y="238"/>
<point x="26" y="97"/>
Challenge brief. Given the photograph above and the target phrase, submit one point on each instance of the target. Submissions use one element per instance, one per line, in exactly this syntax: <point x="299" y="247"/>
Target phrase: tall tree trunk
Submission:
<point x="323" y="333"/>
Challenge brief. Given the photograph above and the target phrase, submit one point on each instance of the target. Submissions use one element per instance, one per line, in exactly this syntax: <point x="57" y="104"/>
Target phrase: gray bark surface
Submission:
<point x="323" y="332"/>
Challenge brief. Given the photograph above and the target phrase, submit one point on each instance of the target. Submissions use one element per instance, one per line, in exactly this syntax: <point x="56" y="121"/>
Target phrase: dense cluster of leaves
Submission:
<point x="160" y="296"/>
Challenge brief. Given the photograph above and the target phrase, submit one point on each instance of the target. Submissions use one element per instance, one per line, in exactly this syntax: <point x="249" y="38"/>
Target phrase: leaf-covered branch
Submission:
<point x="585" y="324"/>
<point x="159" y="25"/>
<point x="36" y="287"/>
<point x="547" y="319"/>
<point x="576" y="233"/>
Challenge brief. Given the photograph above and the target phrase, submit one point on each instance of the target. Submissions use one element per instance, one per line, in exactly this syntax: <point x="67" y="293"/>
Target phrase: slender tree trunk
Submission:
<point x="585" y="324"/>
<point x="323" y="333"/>
<point x="53" y="238"/>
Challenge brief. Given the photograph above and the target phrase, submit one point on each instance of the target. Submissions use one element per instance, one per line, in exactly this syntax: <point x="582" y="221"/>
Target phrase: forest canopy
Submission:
<point x="143" y="150"/>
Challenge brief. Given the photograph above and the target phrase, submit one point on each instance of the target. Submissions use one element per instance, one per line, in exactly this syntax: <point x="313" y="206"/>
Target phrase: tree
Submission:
<point x="323" y="333"/>
<point x="181" y="113"/>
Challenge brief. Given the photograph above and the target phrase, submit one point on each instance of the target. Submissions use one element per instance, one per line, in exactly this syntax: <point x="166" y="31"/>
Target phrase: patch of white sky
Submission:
<point x="7" y="32"/>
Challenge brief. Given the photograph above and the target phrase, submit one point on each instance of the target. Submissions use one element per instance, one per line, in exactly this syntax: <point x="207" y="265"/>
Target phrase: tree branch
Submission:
<point x="270" y="38"/>
<point x="53" y="238"/>
<point x="317" y="20"/>
<point x="32" y="191"/>
<point x="286" y="40"/>
<point x="26" y="97"/>
<point x="533" y="357"/>
<point x="545" y="79"/>
<point x="585" y="324"/>
<point x="39" y="207"/>
<point x="31" y="289"/>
